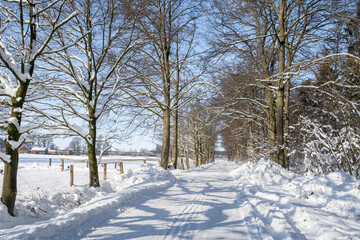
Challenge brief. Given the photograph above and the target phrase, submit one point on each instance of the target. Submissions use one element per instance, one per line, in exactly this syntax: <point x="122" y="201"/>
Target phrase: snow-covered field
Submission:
<point x="44" y="191"/>
<point x="217" y="201"/>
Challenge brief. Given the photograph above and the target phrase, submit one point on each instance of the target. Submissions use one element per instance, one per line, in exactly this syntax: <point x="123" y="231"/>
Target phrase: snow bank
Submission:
<point x="320" y="207"/>
<point x="263" y="172"/>
<point x="49" y="210"/>
<point x="338" y="192"/>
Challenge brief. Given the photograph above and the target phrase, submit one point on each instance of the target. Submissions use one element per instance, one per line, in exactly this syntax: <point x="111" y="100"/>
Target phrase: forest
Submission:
<point x="272" y="79"/>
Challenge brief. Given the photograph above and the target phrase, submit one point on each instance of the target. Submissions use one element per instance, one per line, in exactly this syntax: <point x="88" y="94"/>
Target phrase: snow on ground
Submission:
<point x="44" y="191"/>
<point x="221" y="200"/>
<point x="285" y="205"/>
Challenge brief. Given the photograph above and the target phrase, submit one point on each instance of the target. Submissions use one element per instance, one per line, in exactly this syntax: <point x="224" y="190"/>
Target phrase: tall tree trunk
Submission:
<point x="280" y="125"/>
<point x="280" y="87"/>
<point x="187" y="161"/>
<point x="287" y="123"/>
<point x="165" y="26"/>
<point x="93" y="166"/>
<point x="9" y="189"/>
<point x="196" y="151"/>
<point x="176" y="106"/>
<point x="271" y="124"/>
<point x="186" y="152"/>
<point x="201" y="152"/>
<point x="165" y="151"/>
<point x="176" y="139"/>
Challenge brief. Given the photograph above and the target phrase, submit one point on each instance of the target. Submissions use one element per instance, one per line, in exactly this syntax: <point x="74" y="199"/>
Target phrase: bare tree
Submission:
<point x="76" y="145"/>
<point x="88" y="75"/>
<point x="26" y="31"/>
<point x="165" y="24"/>
<point x="198" y="133"/>
<point x="276" y="35"/>
<point x="245" y="30"/>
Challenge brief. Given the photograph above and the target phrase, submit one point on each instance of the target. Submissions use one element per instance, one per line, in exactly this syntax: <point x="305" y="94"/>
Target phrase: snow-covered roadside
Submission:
<point x="290" y="206"/>
<point x="255" y="201"/>
<point x="56" y="209"/>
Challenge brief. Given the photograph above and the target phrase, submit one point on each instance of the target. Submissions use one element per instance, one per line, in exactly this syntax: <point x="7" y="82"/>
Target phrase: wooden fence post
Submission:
<point x="105" y="171"/>
<point x="71" y="175"/>
<point x="49" y="162"/>
<point x="87" y="163"/>
<point x="115" y="165"/>
<point x="121" y="167"/>
<point x="144" y="161"/>
<point x="62" y="165"/>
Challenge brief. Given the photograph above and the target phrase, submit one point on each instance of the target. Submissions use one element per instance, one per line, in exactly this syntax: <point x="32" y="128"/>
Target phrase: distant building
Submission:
<point x="38" y="150"/>
<point x="65" y="152"/>
<point x="25" y="148"/>
<point x="52" y="152"/>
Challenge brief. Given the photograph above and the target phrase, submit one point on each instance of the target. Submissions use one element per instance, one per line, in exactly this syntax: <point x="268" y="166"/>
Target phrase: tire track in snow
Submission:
<point x="253" y="219"/>
<point x="181" y="225"/>
<point x="199" y="206"/>
<point x="270" y="216"/>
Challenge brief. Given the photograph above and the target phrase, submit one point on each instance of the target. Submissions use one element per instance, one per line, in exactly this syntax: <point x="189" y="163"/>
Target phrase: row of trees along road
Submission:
<point x="286" y="72"/>
<point x="67" y="64"/>
<point x="162" y="64"/>
<point x="294" y="88"/>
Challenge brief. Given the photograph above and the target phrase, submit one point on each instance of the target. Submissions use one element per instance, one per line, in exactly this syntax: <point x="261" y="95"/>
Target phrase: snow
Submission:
<point x="221" y="200"/>
<point x="37" y="148"/>
<point x="14" y="121"/>
<point x="15" y="144"/>
<point x="292" y="206"/>
<point x="5" y="157"/>
<point x="7" y="88"/>
<point x="9" y="59"/>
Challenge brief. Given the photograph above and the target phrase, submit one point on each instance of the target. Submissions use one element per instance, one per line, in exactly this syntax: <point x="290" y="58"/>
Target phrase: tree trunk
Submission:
<point x="187" y="161"/>
<point x="280" y="87"/>
<point x="201" y="149"/>
<point x="93" y="166"/>
<point x="165" y="24"/>
<point x="9" y="189"/>
<point x="196" y="152"/>
<point x="280" y="125"/>
<point x="176" y="139"/>
<point x="165" y="151"/>
<point x="176" y="106"/>
<point x="271" y="124"/>
<point x="287" y="123"/>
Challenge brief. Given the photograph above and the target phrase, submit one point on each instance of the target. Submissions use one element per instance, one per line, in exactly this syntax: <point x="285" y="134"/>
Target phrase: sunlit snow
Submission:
<point x="221" y="200"/>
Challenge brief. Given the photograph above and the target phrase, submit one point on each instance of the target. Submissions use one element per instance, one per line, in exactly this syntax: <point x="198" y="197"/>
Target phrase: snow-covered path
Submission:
<point x="221" y="200"/>
<point x="213" y="203"/>
<point x="199" y="206"/>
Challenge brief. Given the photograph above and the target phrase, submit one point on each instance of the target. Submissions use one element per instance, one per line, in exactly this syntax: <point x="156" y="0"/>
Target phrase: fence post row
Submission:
<point x="121" y="166"/>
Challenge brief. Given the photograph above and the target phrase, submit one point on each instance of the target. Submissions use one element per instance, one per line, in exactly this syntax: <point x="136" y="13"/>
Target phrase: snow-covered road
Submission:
<point x="215" y="203"/>
<point x="199" y="206"/>
<point x="221" y="200"/>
